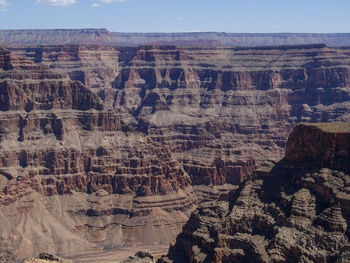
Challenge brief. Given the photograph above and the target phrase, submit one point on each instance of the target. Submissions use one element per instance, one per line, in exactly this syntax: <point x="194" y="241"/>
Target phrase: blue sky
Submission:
<point x="258" y="16"/>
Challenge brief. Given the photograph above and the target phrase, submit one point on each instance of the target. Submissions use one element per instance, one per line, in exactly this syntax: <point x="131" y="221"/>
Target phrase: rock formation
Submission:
<point x="333" y="152"/>
<point x="139" y="257"/>
<point x="47" y="258"/>
<point x="74" y="177"/>
<point x="114" y="146"/>
<point x="221" y="111"/>
<point x="296" y="210"/>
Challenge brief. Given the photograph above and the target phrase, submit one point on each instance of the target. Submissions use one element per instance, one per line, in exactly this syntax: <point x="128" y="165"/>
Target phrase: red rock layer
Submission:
<point x="75" y="178"/>
<point x="112" y="138"/>
<point x="328" y="145"/>
<point x="221" y="111"/>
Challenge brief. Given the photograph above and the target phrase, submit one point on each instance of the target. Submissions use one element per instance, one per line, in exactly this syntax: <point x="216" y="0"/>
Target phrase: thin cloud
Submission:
<point x="3" y="5"/>
<point x="95" y="5"/>
<point x="56" y="2"/>
<point x="180" y="18"/>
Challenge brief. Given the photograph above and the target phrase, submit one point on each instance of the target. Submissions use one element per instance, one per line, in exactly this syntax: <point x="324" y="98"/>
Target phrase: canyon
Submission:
<point x="116" y="146"/>
<point x="295" y="210"/>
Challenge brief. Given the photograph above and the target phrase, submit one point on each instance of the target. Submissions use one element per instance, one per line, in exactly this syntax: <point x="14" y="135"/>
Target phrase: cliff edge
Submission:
<point x="297" y="210"/>
<point x="323" y="144"/>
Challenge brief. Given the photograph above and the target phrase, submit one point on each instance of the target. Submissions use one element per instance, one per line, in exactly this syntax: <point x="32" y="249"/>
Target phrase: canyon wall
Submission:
<point x="220" y="111"/>
<point x="74" y="178"/>
<point x="116" y="146"/>
<point x="291" y="211"/>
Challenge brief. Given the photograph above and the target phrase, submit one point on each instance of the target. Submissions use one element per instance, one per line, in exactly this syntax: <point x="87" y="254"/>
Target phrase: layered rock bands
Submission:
<point x="115" y="146"/>
<point x="74" y="178"/>
<point x="296" y="210"/>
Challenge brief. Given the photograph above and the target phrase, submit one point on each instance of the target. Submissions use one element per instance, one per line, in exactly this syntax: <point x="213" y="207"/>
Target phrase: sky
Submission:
<point x="236" y="16"/>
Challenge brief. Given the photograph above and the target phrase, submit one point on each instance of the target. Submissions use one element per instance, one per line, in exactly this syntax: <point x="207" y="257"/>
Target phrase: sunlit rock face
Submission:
<point x="74" y="177"/>
<point x="221" y="111"/>
<point x="115" y="146"/>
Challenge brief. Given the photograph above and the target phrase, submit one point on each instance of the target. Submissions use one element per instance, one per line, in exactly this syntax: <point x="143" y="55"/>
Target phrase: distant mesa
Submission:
<point x="92" y="36"/>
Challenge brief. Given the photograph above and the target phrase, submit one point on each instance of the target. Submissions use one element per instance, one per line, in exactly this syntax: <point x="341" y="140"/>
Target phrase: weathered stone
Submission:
<point x="287" y="214"/>
<point x="96" y="181"/>
<point x="107" y="141"/>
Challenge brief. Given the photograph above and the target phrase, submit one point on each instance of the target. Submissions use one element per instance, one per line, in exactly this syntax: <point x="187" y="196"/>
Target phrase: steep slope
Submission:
<point x="221" y="111"/>
<point x="101" y="36"/>
<point x="107" y="142"/>
<point x="74" y="178"/>
<point x="95" y="67"/>
<point x="294" y="211"/>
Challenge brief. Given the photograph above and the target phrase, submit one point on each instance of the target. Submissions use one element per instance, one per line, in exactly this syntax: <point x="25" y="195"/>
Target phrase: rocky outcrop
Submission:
<point x="26" y="86"/>
<point x="101" y="36"/>
<point x="334" y="151"/>
<point x="46" y="258"/>
<point x="74" y="177"/>
<point x="139" y="257"/>
<point x="95" y="67"/>
<point x="291" y="211"/>
<point x="5" y="62"/>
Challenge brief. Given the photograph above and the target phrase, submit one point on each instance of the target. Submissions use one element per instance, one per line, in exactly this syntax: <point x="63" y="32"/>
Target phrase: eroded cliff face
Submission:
<point x="109" y="141"/>
<point x="221" y="111"/>
<point x="296" y="210"/>
<point x="334" y="151"/>
<point x="74" y="177"/>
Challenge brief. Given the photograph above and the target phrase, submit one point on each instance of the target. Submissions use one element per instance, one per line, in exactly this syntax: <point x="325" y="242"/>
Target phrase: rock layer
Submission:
<point x="221" y="111"/>
<point x="291" y="211"/>
<point x="334" y="151"/>
<point x="75" y="178"/>
<point x="107" y="141"/>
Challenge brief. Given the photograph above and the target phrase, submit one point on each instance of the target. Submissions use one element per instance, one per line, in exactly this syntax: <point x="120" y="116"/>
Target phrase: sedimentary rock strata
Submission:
<point x="221" y="111"/>
<point x="291" y="211"/>
<point x="107" y="142"/>
<point x="334" y="151"/>
<point x="75" y="177"/>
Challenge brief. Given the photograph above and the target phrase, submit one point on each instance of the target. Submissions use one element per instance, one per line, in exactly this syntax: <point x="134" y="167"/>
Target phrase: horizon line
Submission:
<point x="171" y="32"/>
